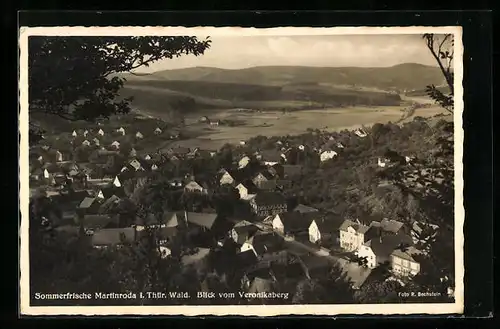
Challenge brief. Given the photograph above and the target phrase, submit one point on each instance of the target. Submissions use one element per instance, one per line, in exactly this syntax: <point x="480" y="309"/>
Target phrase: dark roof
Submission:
<point x="206" y="220"/>
<point x="269" y="198"/>
<point x="268" y="185"/>
<point x="328" y="224"/>
<point x="87" y="202"/>
<point x="382" y="247"/>
<point x="267" y="175"/>
<point x="295" y="221"/>
<point x="360" y="228"/>
<point x="109" y="191"/>
<point x="113" y="236"/>
<point x="267" y="243"/>
<point x="271" y="155"/>
<point x="252" y="188"/>
<point x="304" y="209"/>
<point x="251" y="229"/>
<point x="407" y="253"/>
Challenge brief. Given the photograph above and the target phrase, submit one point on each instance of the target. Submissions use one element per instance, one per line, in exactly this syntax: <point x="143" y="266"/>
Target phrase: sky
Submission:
<point x="229" y="52"/>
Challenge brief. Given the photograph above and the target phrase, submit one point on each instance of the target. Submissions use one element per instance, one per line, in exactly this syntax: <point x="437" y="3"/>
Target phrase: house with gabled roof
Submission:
<point x="267" y="203"/>
<point x="266" y="246"/>
<point x="86" y="143"/>
<point x="271" y="157"/>
<point x="292" y="224"/>
<point x="246" y="188"/>
<point x="194" y="186"/>
<point x="100" y="132"/>
<point x="327" y="155"/>
<point x="121" y="131"/>
<point x="157" y="131"/>
<point x="405" y="262"/>
<point x="262" y="177"/>
<point x="230" y="177"/>
<point x="95" y="222"/>
<point x="135" y="165"/>
<point x="243" y="231"/>
<point x="377" y="251"/>
<point x="324" y="230"/>
<point x="244" y="161"/>
<point x="168" y="219"/>
<point x="115" y="144"/>
<point x="106" y="192"/>
<point x="352" y="235"/>
<point x="139" y="135"/>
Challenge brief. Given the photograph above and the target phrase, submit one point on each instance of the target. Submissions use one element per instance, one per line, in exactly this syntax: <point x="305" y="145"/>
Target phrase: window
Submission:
<point x="414" y="266"/>
<point x="396" y="260"/>
<point x="405" y="263"/>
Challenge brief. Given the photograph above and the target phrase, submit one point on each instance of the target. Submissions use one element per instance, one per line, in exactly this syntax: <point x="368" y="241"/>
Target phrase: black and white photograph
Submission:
<point x="241" y="171"/>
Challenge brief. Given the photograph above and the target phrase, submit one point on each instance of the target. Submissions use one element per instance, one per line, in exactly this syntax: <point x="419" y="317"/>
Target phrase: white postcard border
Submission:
<point x="265" y="310"/>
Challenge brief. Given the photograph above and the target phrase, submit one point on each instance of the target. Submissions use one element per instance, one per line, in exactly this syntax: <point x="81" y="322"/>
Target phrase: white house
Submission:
<point x="327" y="155"/>
<point x="403" y="262"/>
<point x="301" y="147"/>
<point x="214" y="123"/>
<point x="74" y="134"/>
<point x="381" y="163"/>
<point x="378" y="250"/>
<point x="340" y="145"/>
<point x="154" y="167"/>
<point x="121" y="131"/>
<point x="85" y="133"/>
<point x="147" y="157"/>
<point x="139" y="135"/>
<point x="40" y="159"/>
<point x="116" y="182"/>
<point x="360" y="132"/>
<point x="242" y="142"/>
<point x="59" y="156"/>
<point x="314" y="233"/>
<point x="243" y="162"/>
<point x="352" y="235"/>
<point x="165" y="252"/>
<point x="46" y="174"/>
<point x="135" y="164"/>
<point x="116" y="144"/>
<point x="100" y="132"/>
<point x="194" y="186"/>
<point x="246" y="189"/>
<point x="86" y="143"/>
<point x="133" y="152"/>
<point x="157" y="131"/>
<point x="226" y="179"/>
<point x="96" y="141"/>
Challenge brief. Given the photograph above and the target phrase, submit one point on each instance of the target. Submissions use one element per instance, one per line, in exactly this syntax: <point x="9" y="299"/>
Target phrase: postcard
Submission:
<point x="241" y="171"/>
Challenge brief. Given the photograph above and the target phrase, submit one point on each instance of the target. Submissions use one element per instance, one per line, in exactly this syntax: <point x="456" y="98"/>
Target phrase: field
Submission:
<point x="293" y="123"/>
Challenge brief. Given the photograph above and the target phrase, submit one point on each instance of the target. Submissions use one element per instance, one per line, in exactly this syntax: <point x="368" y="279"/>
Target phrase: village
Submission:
<point x="260" y="233"/>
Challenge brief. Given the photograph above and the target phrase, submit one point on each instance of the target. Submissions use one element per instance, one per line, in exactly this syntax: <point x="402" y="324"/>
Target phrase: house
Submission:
<point x="386" y="227"/>
<point x="352" y="235"/>
<point x="327" y="155"/>
<point x="246" y="188"/>
<point x="404" y="262"/>
<point x="422" y="233"/>
<point x="157" y="131"/>
<point x="360" y="133"/>
<point x="132" y="152"/>
<point x="121" y="131"/>
<point x="243" y="143"/>
<point x="116" y="182"/>
<point x="301" y="147"/>
<point x="304" y="209"/>
<point x="86" y="143"/>
<point x="378" y="250"/>
<point x="135" y="165"/>
<point x="293" y="223"/>
<point x="262" y="177"/>
<point x="194" y="186"/>
<point x="95" y="222"/>
<point x="85" y="133"/>
<point x="271" y="157"/>
<point x="340" y="145"/>
<point x="106" y="192"/>
<point x="100" y="132"/>
<point x="139" y="135"/>
<point x="115" y="144"/>
<point x="113" y="237"/>
<point x="244" y="161"/>
<point x="270" y="185"/>
<point x="268" y="203"/>
<point x="214" y="123"/>
<point x="147" y="157"/>
<point x="243" y="231"/>
<point x="74" y="134"/>
<point x="154" y="167"/>
<point x="59" y="156"/>
<point x="96" y="141"/>
<point x="229" y="177"/>
<point x="263" y="243"/>
<point x="382" y="162"/>
<point x="107" y="205"/>
<point x="205" y="221"/>
<point x="324" y="230"/>
<point x="176" y="183"/>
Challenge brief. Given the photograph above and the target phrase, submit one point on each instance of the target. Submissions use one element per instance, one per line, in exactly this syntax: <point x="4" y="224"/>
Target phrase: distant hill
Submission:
<point x="409" y="76"/>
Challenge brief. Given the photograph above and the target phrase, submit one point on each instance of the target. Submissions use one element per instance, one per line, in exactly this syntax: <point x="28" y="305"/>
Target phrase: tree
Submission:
<point x="441" y="48"/>
<point x="76" y="78"/>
